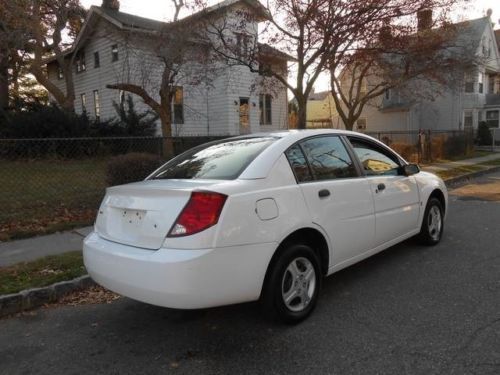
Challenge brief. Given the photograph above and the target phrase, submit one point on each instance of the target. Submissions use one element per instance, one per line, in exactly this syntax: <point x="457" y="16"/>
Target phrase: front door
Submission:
<point x="244" y="116"/>
<point x="339" y="200"/>
<point x="396" y="197"/>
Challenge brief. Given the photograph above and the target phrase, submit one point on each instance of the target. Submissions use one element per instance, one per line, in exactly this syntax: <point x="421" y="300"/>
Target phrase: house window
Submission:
<point x="492" y="118"/>
<point x="97" y="61"/>
<point x="114" y="52"/>
<point x="468" y="119"/>
<point x="364" y="89"/>
<point x="388" y="94"/>
<point x="265" y="107"/>
<point x="83" y="99"/>
<point x="469" y="83"/>
<point x="361" y="124"/>
<point x="481" y="83"/>
<point x="60" y="72"/>
<point x="80" y="63"/>
<point x="178" y="101"/>
<point x="265" y="69"/>
<point x="242" y="46"/>
<point x="97" y="105"/>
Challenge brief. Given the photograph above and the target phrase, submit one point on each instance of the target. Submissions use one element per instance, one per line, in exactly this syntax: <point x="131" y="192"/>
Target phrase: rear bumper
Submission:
<point x="184" y="279"/>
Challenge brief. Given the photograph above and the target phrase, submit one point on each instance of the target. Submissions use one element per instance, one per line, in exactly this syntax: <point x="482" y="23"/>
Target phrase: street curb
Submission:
<point x="31" y="298"/>
<point x="466" y="177"/>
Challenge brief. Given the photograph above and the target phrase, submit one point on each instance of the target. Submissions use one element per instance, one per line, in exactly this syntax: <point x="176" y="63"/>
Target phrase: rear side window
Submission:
<point x="328" y="158"/>
<point x="224" y="160"/>
<point x="298" y="163"/>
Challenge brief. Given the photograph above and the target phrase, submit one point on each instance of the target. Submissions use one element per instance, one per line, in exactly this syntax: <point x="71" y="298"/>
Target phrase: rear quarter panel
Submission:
<point x="241" y="225"/>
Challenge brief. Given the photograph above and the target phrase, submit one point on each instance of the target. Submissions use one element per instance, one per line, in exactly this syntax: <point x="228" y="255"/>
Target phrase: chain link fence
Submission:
<point x="427" y="146"/>
<point x="58" y="183"/>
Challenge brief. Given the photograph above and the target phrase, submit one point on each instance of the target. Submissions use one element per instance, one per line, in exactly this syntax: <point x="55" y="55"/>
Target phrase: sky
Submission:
<point x="163" y="10"/>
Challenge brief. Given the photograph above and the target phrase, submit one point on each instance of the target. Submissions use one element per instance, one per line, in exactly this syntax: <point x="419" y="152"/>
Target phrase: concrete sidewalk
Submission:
<point x="32" y="248"/>
<point x="460" y="163"/>
<point x="13" y="252"/>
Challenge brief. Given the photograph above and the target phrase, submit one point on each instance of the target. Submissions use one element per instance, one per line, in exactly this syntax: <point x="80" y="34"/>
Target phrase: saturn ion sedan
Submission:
<point x="260" y="217"/>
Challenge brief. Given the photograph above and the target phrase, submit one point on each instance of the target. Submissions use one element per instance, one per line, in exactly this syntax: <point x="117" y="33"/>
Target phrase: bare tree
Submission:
<point x="319" y="35"/>
<point x="419" y="62"/>
<point x="174" y="56"/>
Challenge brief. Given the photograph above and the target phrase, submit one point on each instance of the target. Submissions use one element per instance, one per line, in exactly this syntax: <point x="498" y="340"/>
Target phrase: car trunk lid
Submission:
<point x="141" y="214"/>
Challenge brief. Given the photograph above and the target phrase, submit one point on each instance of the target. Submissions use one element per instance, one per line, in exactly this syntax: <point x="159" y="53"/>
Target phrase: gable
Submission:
<point x="489" y="49"/>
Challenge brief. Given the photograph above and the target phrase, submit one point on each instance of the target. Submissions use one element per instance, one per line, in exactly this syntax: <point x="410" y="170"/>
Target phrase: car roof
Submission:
<point x="300" y="133"/>
<point x="264" y="162"/>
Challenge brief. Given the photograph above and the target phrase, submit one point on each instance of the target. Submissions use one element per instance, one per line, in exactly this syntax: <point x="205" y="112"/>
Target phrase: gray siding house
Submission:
<point x="115" y="47"/>
<point x="460" y="106"/>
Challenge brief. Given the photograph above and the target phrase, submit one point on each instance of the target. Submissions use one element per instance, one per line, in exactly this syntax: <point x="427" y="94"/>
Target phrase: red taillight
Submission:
<point x="201" y="212"/>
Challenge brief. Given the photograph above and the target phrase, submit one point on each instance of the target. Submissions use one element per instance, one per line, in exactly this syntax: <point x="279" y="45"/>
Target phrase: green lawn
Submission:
<point x="42" y="272"/>
<point x="35" y="195"/>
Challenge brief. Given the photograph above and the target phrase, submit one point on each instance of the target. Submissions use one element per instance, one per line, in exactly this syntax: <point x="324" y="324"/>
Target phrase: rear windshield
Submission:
<point x="222" y="160"/>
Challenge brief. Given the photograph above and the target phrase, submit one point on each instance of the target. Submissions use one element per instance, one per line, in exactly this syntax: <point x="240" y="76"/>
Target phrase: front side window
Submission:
<point x="375" y="160"/>
<point x="328" y="158"/>
<point x="298" y="163"/>
<point x="222" y="160"/>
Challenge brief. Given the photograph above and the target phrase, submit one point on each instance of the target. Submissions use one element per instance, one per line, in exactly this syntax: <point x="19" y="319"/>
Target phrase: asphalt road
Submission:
<point x="408" y="310"/>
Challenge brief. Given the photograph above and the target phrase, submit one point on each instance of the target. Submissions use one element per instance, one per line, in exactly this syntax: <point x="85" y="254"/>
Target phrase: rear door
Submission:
<point x="338" y="198"/>
<point x="396" y="196"/>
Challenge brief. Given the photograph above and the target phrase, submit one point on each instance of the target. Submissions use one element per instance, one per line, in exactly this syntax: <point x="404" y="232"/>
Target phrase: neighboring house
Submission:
<point x="115" y="47"/>
<point x="459" y="106"/>
<point x="321" y="112"/>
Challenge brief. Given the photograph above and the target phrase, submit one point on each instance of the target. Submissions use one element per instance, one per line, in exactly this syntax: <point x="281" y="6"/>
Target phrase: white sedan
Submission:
<point x="260" y="217"/>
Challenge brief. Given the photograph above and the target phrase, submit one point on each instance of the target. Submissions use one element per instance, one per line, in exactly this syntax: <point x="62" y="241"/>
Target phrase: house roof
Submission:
<point x="319" y="95"/>
<point x="132" y="22"/>
<point x="472" y="30"/>
<point x="275" y="53"/>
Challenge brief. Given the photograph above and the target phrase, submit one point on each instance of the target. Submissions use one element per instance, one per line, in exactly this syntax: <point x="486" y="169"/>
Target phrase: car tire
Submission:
<point x="292" y="284"/>
<point x="432" y="223"/>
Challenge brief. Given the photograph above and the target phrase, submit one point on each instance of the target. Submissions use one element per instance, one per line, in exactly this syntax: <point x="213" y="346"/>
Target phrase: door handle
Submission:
<point x="380" y="187"/>
<point x="324" y="193"/>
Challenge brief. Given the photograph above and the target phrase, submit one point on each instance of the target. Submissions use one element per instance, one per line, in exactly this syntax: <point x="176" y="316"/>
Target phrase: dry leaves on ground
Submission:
<point x="92" y="295"/>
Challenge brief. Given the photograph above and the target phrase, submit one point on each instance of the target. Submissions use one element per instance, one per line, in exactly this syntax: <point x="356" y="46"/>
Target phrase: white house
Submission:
<point x="476" y="98"/>
<point x="115" y="47"/>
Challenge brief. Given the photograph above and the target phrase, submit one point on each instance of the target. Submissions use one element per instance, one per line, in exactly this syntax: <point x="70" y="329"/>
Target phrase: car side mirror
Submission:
<point x="410" y="169"/>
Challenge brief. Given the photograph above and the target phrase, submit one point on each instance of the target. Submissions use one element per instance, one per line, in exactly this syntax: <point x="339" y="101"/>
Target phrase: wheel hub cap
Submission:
<point x="298" y="284"/>
<point x="434" y="222"/>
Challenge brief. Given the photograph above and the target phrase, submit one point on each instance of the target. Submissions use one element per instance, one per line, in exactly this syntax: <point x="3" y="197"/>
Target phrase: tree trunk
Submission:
<point x="301" y="112"/>
<point x="166" y="131"/>
<point x="349" y="124"/>
<point x="4" y="79"/>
